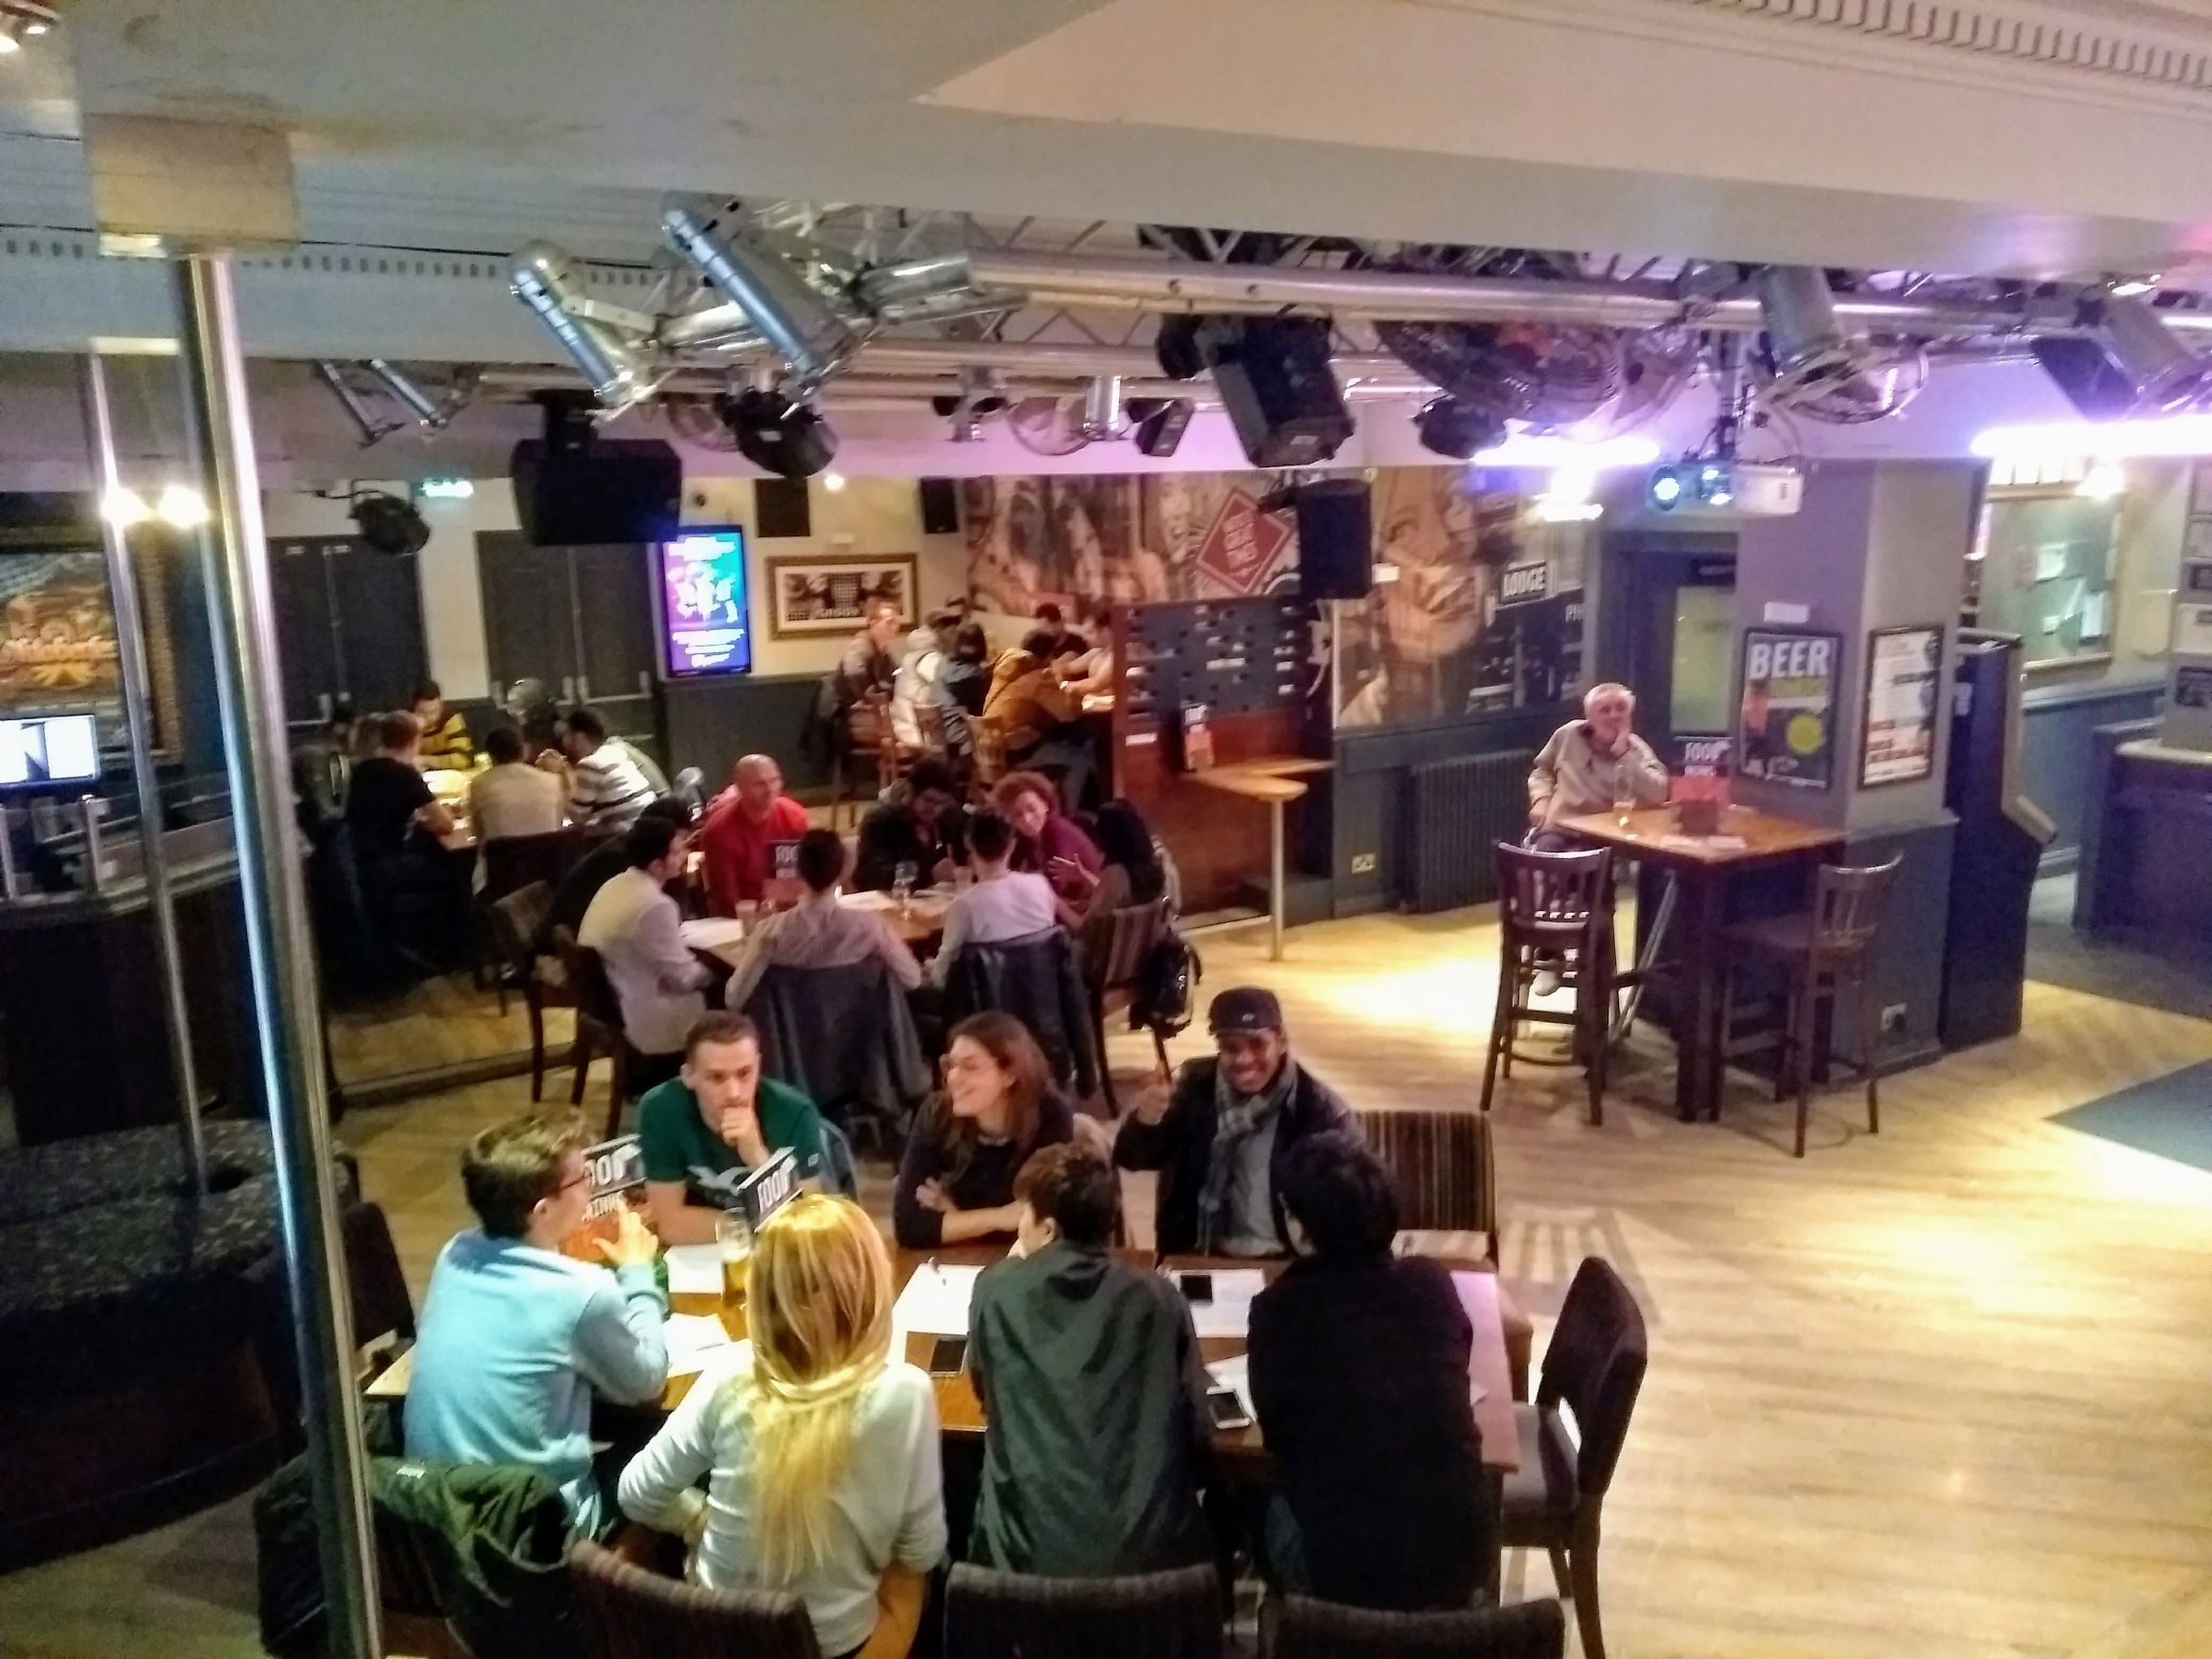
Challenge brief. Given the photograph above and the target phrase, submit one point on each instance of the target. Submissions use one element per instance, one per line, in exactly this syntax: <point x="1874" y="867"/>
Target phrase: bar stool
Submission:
<point x="1555" y="913"/>
<point x="1820" y="952"/>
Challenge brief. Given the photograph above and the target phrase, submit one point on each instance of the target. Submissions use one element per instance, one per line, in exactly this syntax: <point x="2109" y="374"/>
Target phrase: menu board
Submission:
<point x="1230" y="656"/>
<point x="1899" y="742"/>
<point x="1786" y="723"/>
<point x="705" y="628"/>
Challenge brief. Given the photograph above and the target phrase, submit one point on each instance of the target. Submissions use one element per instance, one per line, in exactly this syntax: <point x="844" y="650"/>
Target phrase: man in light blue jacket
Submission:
<point x="517" y="1336"/>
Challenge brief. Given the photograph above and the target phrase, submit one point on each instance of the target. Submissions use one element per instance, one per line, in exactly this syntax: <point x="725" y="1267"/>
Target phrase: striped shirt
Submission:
<point x="607" y="790"/>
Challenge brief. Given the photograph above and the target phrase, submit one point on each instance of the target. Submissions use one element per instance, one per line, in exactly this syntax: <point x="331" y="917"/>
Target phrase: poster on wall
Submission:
<point x="811" y="598"/>
<point x="1786" y="725"/>
<point x="1898" y="745"/>
<point x="57" y="645"/>
<point x="704" y="625"/>
<point x="2192" y="686"/>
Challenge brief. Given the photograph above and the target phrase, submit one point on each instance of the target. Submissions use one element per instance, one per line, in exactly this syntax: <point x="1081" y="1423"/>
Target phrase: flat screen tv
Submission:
<point x="706" y="627"/>
<point x="48" y="752"/>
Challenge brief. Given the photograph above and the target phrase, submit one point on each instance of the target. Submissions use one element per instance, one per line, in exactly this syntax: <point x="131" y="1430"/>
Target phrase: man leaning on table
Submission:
<point x="1591" y="765"/>
<point x="1221" y="1138"/>
<point x="819" y="931"/>
<point x="701" y="1133"/>
<point x="517" y="1336"/>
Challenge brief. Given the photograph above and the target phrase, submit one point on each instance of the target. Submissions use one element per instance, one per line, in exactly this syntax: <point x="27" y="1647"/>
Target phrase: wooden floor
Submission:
<point x="1946" y="1391"/>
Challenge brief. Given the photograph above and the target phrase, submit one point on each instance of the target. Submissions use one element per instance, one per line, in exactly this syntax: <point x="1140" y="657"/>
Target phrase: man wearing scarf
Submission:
<point x="1219" y="1139"/>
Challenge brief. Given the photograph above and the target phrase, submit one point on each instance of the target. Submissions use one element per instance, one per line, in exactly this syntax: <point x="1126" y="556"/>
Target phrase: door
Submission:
<point x="306" y="644"/>
<point x="1679" y="651"/>
<point x="377" y="598"/>
<point x="529" y="617"/>
<point x="613" y="612"/>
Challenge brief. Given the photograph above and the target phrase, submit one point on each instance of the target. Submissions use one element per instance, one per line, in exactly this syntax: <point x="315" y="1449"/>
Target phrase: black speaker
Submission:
<point x="939" y="505"/>
<point x="2093" y="382"/>
<point x="781" y="506"/>
<point x="1275" y="382"/>
<point x="1177" y="345"/>
<point x="1335" y="539"/>
<point x="1160" y="425"/>
<point x="611" y="492"/>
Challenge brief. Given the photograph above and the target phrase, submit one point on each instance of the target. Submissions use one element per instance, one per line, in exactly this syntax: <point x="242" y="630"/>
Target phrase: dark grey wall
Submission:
<point x="2058" y="753"/>
<point x="709" y="725"/>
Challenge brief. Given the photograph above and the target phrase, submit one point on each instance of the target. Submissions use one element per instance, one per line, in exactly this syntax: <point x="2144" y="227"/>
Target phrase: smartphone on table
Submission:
<point x="1225" y="1411"/>
<point x="947" y="1355"/>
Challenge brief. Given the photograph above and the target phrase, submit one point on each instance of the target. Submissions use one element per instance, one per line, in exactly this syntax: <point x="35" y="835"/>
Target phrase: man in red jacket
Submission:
<point x="742" y="827"/>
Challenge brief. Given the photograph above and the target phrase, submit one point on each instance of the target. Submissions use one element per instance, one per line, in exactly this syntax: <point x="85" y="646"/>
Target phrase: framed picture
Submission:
<point x="809" y="596"/>
<point x="1898" y="742"/>
<point x="1786" y="721"/>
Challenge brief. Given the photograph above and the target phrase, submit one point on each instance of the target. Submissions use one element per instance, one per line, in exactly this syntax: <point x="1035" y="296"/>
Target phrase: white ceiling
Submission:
<point x="1720" y="128"/>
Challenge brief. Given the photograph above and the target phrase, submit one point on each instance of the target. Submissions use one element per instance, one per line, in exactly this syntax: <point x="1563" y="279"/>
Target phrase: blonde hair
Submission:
<point x="818" y="1303"/>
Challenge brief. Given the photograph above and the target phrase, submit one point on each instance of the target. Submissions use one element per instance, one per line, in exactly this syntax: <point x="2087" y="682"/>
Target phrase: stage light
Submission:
<point x="125" y="508"/>
<point x="181" y="508"/>
<point x="1666" y="489"/>
<point x="1557" y="453"/>
<point x="387" y="524"/>
<point x="1446" y="426"/>
<point x="776" y="434"/>
<point x="1567" y="498"/>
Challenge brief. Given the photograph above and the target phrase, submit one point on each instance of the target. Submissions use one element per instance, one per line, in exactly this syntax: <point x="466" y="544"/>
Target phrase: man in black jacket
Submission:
<point x="1359" y="1376"/>
<point x="917" y="820"/>
<point x="1220" y="1139"/>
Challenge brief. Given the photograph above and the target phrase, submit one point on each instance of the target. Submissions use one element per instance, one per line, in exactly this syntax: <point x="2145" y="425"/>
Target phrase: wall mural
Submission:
<point x="57" y="645"/>
<point x="1485" y="615"/>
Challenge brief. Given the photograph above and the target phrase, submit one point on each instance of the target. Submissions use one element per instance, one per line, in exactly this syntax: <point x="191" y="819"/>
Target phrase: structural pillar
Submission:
<point x="286" y="1018"/>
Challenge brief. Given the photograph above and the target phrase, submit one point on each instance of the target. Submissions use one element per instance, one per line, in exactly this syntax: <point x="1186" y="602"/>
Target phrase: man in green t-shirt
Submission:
<point x="702" y="1133"/>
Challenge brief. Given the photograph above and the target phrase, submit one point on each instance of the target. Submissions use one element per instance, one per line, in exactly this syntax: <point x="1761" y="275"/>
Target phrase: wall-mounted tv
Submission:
<point x="706" y="627"/>
<point x="48" y="752"/>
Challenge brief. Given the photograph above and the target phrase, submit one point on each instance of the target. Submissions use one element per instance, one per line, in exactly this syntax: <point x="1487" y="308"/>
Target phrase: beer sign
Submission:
<point x="1786" y="722"/>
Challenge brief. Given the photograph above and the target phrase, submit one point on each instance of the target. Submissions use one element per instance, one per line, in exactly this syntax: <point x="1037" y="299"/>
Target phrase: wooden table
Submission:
<point x="723" y="938"/>
<point x="1274" y="783"/>
<point x="1700" y="869"/>
<point x="960" y="1410"/>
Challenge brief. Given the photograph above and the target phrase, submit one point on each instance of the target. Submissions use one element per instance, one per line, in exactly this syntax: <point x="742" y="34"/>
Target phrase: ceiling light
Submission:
<point x="181" y="508"/>
<point x="1667" y="488"/>
<point x="7" y="42"/>
<point x="2105" y="481"/>
<point x="833" y="482"/>
<point x="124" y="508"/>
<point x="2118" y="440"/>
<point x="1523" y="449"/>
<point x="776" y="434"/>
<point x="2130" y="287"/>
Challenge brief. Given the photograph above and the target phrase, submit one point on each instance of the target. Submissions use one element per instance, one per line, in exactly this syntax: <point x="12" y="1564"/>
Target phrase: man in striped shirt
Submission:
<point x="605" y="789"/>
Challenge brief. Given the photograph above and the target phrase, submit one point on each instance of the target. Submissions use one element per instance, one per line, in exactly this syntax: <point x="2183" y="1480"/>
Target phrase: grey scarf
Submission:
<point x="1237" y="1119"/>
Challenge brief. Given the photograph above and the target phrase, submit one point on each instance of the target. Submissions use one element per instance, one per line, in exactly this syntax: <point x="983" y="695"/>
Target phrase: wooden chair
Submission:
<point x="1175" y="1615"/>
<point x="1443" y="1168"/>
<point x="1594" y="1366"/>
<point x="625" y="1612"/>
<point x="1301" y="1627"/>
<point x="598" y="1025"/>
<point x="866" y="760"/>
<point x="1117" y="947"/>
<point x="518" y="921"/>
<point x="989" y="751"/>
<point x="1555" y="914"/>
<point x="1820" y="953"/>
<point x="382" y="1305"/>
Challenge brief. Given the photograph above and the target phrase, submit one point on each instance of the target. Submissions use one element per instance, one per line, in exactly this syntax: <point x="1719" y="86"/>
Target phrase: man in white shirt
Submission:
<point x="925" y="653"/>
<point x="508" y="799"/>
<point x="607" y="790"/>
<point x="1003" y="904"/>
<point x="633" y="924"/>
<point x="1591" y="764"/>
<point x="819" y="931"/>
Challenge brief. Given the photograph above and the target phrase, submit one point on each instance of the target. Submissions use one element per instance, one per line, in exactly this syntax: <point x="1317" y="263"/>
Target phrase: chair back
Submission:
<point x="518" y="921"/>
<point x="1305" y="1628"/>
<point x="1036" y="979"/>
<point x="1117" y="946"/>
<point x="1595" y="1364"/>
<point x="375" y="1284"/>
<point x="843" y="1036"/>
<point x="929" y="724"/>
<point x="586" y="973"/>
<point x="991" y="1615"/>
<point x="989" y="749"/>
<point x="1849" y="902"/>
<point x="1441" y="1166"/>
<point x="1549" y="895"/>
<point x="625" y="1612"/>
<point x="513" y="862"/>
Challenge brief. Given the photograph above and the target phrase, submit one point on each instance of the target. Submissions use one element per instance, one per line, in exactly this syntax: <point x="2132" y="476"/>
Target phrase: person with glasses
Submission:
<point x="970" y="1140"/>
<point x="517" y="1336"/>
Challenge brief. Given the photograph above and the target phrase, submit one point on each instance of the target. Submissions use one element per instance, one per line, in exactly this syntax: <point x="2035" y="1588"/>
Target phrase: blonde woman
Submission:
<point x="821" y="1450"/>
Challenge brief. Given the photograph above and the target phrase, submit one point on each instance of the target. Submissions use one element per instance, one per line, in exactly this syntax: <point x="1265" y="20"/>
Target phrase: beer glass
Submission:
<point x="734" y="1241"/>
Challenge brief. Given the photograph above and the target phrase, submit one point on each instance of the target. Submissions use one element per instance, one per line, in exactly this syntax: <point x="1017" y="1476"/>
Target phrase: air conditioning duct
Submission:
<point x="1799" y="314"/>
<point x="800" y="326"/>
<point x="2168" y="377"/>
<point x="543" y="279"/>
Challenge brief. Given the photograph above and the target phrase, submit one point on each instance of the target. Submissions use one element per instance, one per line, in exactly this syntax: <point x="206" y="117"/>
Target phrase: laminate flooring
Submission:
<point x="1940" y="1390"/>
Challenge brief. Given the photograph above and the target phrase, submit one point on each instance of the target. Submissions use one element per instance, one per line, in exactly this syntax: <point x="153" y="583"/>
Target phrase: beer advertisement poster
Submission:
<point x="1901" y="666"/>
<point x="1786" y="727"/>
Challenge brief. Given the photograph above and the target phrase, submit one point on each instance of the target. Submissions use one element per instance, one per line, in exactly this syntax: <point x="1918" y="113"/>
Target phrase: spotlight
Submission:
<point x="1276" y="382"/>
<point x="2168" y="377"/>
<point x="388" y="524"/>
<point x="799" y="324"/>
<point x="1666" y="489"/>
<point x="1448" y="426"/>
<point x="543" y="278"/>
<point x="2130" y="288"/>
<point x="2105" y="481"/>
<point x="9" y="44"/>
<point x="776" y="434"/>
<point x="180" y="508"/>
<point x="124" y="508"/>
<point x="833" y="482"/>
<point x="1160" y="423"/>
<point x="1716" y="485"/>
<point x="22" y="20"/>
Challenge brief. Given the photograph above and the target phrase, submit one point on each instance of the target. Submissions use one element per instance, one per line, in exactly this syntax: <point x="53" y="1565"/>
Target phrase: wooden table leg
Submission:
<point x="1703" y="898"/>
<point x="1274" y="881"/>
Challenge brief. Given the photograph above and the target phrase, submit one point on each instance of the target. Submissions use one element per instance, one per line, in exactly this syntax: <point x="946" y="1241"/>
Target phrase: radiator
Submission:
<point x="1456" y="812"/>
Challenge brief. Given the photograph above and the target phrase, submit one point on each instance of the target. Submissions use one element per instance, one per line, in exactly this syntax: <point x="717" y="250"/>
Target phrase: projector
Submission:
<point x="1747" y="488"/>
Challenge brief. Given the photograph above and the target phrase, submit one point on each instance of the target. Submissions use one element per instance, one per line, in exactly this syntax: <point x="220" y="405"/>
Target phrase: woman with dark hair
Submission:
<point x="1048" y="842"/>
<point x="1131" y="873"/>
<point x="969" y="1140"/>
<point x="965" y="680"/>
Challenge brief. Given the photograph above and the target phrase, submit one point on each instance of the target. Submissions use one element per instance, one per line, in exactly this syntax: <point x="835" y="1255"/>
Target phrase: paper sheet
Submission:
<point x="710" y="932"/>
<point x="935" y="1301"/>
<point x="1230" y="1314"/>
<point x="693" y="1339"/>
<point x="1234" y="1372"/>
<point x="694" y="1269"/>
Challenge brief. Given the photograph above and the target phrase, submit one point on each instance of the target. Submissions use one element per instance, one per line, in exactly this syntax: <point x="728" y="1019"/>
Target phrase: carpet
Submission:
<point x="2169" y="1116"/>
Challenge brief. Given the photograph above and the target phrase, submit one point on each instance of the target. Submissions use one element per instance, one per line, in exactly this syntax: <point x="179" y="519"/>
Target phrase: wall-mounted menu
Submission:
<point x="1233" y="656"/>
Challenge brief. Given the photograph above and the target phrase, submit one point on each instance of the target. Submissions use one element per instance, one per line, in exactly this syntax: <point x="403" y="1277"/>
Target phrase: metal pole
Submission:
<point x="286" y="1001"/>
<point x="1274" y="881"/>
<point x="137" y="713"/>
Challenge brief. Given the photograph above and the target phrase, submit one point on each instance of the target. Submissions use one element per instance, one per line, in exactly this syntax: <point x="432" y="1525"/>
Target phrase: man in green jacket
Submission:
<point x="1092" y="1390"/>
